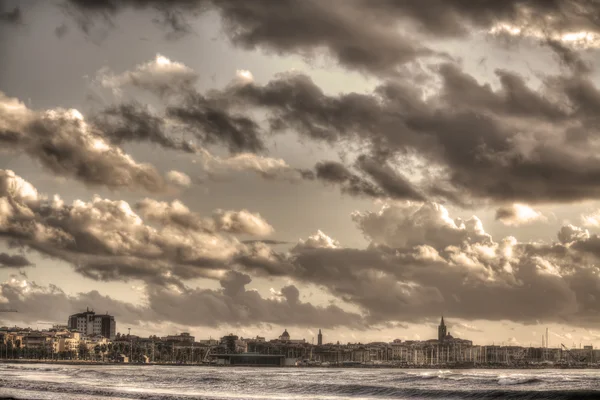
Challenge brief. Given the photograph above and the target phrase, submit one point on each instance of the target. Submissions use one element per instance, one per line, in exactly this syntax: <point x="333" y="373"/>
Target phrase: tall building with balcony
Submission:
<point x="91" y="324"/>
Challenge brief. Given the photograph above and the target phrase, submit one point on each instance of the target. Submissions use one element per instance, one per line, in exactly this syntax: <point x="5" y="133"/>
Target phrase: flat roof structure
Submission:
<point x="251" y="359"/>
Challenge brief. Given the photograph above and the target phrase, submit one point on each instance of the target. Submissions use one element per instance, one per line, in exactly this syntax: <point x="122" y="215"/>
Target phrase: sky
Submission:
<point x="360" y="167"/>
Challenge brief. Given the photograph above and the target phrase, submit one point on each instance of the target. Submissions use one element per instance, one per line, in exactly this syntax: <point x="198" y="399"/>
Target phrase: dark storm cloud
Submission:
<point x="390" y="181"/>
<point x="212" y="124"/>
<point x="8" y="15"/>
<point x="236" y="305"/>
<point x="507" y="144"/>
<point x="349" y="34"/>
<point x="232" y="304"/>
<point x="171" y="14"/>
<point x="13" y="261"/>
<point x="134" y="123"/>
<point x="335" y="172"/>
<point x="359" y="34"/>
<point x="569" y="58"/>
<point x="385" y="181"/>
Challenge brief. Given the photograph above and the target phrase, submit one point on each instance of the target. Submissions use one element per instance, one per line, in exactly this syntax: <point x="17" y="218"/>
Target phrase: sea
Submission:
<point x="111" y="382"/>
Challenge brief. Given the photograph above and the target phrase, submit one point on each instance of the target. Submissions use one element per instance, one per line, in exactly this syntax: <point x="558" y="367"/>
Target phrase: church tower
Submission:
<point x="442" y="330"/>
<point x="320" y="338"/>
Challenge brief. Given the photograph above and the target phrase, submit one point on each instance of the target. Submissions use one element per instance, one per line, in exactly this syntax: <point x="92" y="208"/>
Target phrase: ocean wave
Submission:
<point x="518" y="380"/>
<point x="316" y="390"/>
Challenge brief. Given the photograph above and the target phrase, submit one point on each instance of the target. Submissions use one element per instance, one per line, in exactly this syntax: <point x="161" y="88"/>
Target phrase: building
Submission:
<point x="285" y="338"/>
<point x="251" y="359"/>
<point x="320" y="339"/>
<point x="182" y="337"/>
<point x="442" y="330"/>
<point x="90" y="324"/>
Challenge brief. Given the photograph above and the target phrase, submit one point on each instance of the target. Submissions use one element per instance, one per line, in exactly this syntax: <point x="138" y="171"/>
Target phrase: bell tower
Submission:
<point x="442" y="330"/>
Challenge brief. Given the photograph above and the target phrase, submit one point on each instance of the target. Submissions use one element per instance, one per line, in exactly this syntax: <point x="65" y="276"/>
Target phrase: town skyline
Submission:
<point x="210" y="166"/>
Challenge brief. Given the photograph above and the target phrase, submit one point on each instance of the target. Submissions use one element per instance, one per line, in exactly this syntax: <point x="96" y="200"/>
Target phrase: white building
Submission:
<point x="90" y="324"/>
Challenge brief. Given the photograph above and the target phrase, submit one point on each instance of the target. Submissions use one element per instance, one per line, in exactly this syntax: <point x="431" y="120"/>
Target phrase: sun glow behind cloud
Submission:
<point x="581" y="39"/>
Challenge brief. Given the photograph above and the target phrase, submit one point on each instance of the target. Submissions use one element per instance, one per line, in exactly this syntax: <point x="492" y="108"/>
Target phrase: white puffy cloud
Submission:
<point x="107" y="239"/>
<point x="518" y="214"/>
<point x="317" y="241"/>
<point x="230" y="221"/>
<point x="408" y="224"/>
<point x="65" y="144"/>
<point x="179" y="178"/>
<point x="160" y="75"/>
<point x="241" y="222"/>
<point x="592" y="219"/>
<point x="571" y="233"/>
<point x="266" y="167"/>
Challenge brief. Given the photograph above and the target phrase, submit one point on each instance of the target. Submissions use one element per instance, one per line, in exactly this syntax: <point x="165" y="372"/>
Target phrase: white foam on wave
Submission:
<point x="517" y="379"/>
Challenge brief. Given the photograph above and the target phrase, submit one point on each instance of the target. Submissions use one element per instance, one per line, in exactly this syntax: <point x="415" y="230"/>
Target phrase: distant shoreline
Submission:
<point x="360" y="366"/>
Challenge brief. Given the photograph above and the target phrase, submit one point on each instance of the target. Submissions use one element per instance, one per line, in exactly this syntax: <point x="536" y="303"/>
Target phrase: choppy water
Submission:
<point x="70" y="382"/>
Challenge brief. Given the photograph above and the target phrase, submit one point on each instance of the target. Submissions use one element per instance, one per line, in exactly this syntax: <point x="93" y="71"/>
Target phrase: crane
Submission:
<point x="206" y="359"/>
<point x="572" y="356"/>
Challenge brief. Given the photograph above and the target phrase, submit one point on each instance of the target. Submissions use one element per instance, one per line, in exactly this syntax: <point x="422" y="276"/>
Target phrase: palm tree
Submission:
<point x="103" y="349"/>
<point x="97" y="350"/>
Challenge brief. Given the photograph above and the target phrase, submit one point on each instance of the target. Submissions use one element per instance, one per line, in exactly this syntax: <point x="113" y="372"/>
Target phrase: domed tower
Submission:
<point x="285" y="336"/>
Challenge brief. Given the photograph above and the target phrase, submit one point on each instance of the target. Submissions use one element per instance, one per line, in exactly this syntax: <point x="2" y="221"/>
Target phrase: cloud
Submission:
<point x="177" y="214"/>
<point x="266" y="167"/>
<point x="107" y="240"/>
<point x="408" y="224"/>
<point x="377" y="48"/>
<point x="13" y="261"/>
<point x="317" y="241"/>
<point x="518" y="214"/>
<point x="381" y="181"/>
<point x="212" y="123"/>
<point x="592" y="219"/>
<point x="134" y="123"/>
<point x="420" y="263"/>
<point x="187" y="110"/>
<point x="232" y="304"/>
<point x="12" y="17"/>
<point x="179" y="178"/>
<point x="357" y="35"/>
<point x="241" y="222"/>
<point x="465" y="132"/>
<point x="161" y="76"/>
<point x="66" y="145"/>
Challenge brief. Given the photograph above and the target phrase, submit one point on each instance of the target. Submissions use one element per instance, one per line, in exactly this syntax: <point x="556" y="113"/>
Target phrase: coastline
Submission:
<point x="360" y="366"/>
